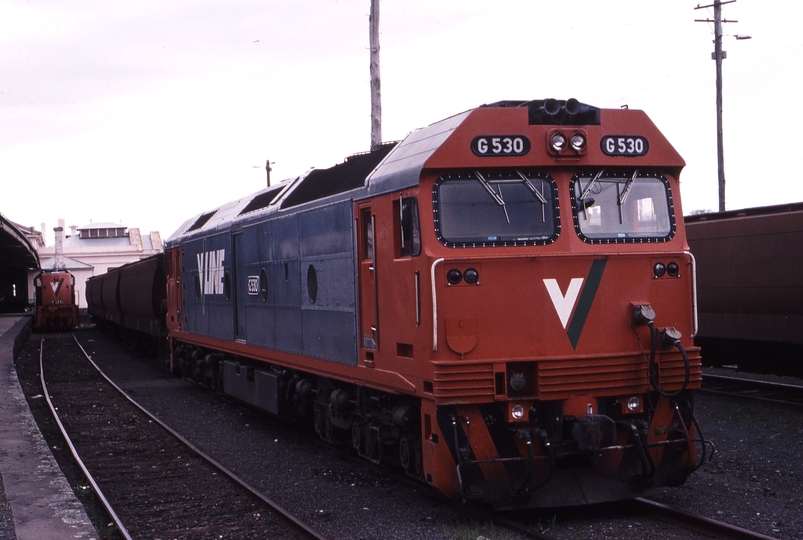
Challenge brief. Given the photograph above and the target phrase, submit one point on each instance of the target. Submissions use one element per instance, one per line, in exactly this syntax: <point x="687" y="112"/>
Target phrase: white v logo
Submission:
<point x="56" y="285"/>
<point x="563" y="303"/>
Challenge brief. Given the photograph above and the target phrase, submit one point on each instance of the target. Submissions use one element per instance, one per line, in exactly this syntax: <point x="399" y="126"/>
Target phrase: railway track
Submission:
<point x="153" y="482"/>
<point x="708" y="527"/>
<point x="531" y="529"/>
<point x="682" y="524"/>
<point x="772" y="392"/>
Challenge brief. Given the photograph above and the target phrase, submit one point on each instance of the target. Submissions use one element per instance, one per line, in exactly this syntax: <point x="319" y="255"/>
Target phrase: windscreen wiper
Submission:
<point x="626" y="191"/>
<point x="591" y="184"/>
<point x="538" y="195"/>
<point x="496" y="196"/>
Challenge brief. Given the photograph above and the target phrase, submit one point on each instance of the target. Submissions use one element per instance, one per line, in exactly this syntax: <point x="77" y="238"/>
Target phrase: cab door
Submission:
<point x="240" y="289"/>
<point x="366" y="253"/>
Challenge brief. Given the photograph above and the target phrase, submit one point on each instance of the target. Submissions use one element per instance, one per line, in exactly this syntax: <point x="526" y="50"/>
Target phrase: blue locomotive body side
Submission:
<point x="284" y="283"/>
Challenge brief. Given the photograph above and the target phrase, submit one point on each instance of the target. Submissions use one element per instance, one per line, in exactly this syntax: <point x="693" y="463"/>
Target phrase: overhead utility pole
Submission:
<point x="718" y="55"/>
<point x="376" y="98"/>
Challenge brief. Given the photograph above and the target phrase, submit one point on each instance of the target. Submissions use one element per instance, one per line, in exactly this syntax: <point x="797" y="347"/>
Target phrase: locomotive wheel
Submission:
<point x="322" y="425"/>
<point x="405" y="456"/>
<point x="356" y="437"/>
<point x="317" y="421"/>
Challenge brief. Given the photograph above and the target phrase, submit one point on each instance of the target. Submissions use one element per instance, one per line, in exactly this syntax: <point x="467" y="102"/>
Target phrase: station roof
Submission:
<point x="104" y="225"/>
<point x="70" y="264"/>
<point x="16" y="251"/>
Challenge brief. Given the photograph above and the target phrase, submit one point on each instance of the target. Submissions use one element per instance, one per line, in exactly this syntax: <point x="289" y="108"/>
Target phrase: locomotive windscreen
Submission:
<point x="621" y="206"/>
<point x="496" y="208"/>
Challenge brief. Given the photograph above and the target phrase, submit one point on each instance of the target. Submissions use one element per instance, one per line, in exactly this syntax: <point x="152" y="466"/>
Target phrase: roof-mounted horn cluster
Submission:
<point x="569" y="112"/>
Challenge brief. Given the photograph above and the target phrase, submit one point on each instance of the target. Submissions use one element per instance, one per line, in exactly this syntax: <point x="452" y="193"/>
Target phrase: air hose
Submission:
<point x="669" y="338"/>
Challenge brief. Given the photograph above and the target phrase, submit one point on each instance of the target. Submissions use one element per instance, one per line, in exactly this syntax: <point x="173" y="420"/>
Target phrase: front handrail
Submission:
<point x="434" y="304"/>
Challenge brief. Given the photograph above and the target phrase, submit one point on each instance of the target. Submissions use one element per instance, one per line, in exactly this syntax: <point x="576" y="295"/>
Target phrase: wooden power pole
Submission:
<point x="376" y="96"/>
<point x="718" y="55"/>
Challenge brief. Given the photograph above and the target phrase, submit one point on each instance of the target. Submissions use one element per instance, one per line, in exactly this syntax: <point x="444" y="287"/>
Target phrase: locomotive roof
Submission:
<point x="391" y="167"/>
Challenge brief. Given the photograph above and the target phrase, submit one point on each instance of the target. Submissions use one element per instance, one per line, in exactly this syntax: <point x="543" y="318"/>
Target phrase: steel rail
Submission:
<point x="300" y="525"/>
<point x="105" y="502"/>
<point x="700" y="524"/>
<point x="768" y="385"/>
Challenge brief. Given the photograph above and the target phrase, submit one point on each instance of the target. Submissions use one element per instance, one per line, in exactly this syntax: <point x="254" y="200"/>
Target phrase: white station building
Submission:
<point x="95" y="249"/>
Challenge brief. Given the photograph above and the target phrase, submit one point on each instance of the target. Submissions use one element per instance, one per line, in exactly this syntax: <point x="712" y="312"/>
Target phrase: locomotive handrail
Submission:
<point x="693" y="292"/>
<point x="434" y="304"/>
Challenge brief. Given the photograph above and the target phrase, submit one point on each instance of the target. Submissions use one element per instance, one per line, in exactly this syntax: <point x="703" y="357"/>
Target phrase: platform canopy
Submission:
<point x="16" y="251"/>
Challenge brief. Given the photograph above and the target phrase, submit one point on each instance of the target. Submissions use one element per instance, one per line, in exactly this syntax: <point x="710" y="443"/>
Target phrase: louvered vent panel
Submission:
<point x="457" y="380"/>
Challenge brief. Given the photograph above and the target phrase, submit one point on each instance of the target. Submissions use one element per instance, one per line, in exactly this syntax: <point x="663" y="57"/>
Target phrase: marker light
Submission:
<point x="578" y="141"/>
<point x="558" y="142"/>
<point x="454" y="276"/>
<point x="517" y="412"/>
<point x="659" y="269"/>
<point x="633" y="403"/>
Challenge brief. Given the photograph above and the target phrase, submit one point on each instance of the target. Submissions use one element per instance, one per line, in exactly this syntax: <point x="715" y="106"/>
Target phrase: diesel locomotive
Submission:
<point x="502" y="305"/>
<point x="55" y="308"/>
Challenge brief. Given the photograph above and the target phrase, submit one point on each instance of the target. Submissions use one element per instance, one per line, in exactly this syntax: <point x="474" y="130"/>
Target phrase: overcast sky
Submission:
<point x="147" y="113"/>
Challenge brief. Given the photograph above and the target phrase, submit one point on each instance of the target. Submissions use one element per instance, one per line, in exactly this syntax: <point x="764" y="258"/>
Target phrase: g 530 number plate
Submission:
<point x="500" y="145"/>
<point x="624" y="145"/>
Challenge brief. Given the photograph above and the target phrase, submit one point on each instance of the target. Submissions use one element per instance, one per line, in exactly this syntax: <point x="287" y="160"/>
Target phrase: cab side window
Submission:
<point x="409" y="230"/>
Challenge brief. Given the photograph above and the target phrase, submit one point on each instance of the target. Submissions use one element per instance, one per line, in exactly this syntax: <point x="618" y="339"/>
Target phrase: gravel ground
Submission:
<point x="6" y="520"/>
<point x="158" y="488"/>
<point x="329" y="491"/>
<point x="753" y="481"/>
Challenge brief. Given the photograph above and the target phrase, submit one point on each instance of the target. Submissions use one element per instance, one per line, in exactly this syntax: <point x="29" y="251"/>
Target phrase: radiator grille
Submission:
<point x="672" y="371"/>
<point x="566" y="377"/>
<point x="559" y="379"/>
<point x="458" y="380"/>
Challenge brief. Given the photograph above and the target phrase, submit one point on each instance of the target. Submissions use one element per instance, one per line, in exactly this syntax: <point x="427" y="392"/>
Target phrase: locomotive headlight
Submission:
<point x="454" y="276"/>
<point x="471" y="276"/>
<point x="517" y="381"/>
<point x="517" y="412"/>
<point x="633" y="403"/>
<point x="659" y="269"/>
<point x="578" y="141"/>
<point x="558" y="142"/>
<point x="673" y="269"/>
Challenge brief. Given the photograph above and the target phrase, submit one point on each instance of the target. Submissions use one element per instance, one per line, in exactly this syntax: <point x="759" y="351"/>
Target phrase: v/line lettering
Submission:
<point x="210" y="270"/>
